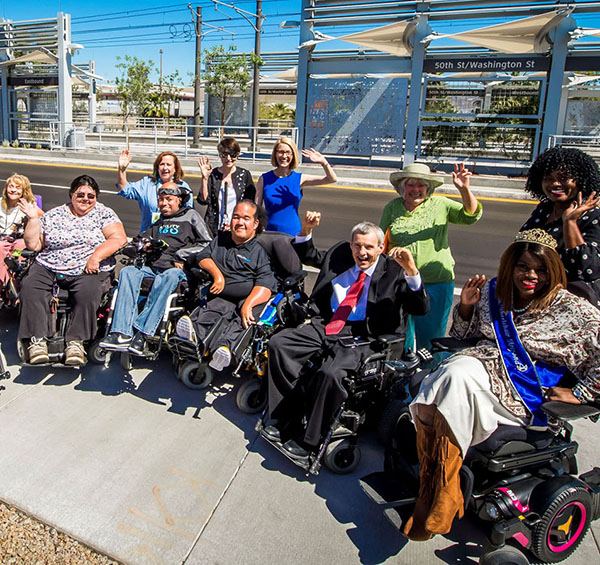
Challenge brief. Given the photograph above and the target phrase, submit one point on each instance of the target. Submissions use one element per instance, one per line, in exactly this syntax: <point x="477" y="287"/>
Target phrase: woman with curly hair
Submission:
<point x="567" y="183"/>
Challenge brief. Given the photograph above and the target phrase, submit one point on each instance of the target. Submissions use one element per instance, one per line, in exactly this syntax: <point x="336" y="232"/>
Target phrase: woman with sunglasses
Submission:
<point x="222" y="188"/>
<point x="75" y="244"/>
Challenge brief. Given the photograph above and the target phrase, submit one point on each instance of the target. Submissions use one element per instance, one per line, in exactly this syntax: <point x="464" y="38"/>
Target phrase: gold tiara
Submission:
<point x="538" y="236"/>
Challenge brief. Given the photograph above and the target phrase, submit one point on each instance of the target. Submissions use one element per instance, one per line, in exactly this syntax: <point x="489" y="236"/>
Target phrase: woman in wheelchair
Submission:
<point x="76" y="243"/>
<point x="13" y="220"/>
<point x="531" y="331"/>
<point x="181" y="231"/>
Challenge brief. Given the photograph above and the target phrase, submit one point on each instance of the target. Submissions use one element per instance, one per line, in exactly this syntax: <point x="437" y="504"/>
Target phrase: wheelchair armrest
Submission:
<point x="451" y="344"/>
<point x="390" y="339"/>
<point x="568" y="412"/>
<point x="28" y="253"/>
<point x="201" y="275"/>
<point x="293" y="280"/>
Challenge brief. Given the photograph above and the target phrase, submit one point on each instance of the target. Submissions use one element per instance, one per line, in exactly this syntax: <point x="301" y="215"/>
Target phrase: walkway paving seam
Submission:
<point x="220" y="499"/>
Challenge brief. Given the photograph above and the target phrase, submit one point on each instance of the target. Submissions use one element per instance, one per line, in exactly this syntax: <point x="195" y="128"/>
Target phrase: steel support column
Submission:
<point x="65" y="95"/>
<point x="414" y="96"/>
<point x="551" y="124"/>
<point x="306" y="34"/>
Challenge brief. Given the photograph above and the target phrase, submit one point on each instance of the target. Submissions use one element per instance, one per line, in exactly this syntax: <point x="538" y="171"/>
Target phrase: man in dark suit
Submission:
<point x="359" y="292"/>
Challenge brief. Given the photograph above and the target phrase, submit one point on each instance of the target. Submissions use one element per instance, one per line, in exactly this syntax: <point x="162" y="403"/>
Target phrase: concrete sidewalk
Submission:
<point x="149" y="472"/>
<point x="370" y="178"/>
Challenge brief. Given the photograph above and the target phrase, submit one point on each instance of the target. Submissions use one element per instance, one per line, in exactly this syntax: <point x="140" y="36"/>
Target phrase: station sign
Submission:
<point x="33" y="80"/>
<point x="486" y="64"/>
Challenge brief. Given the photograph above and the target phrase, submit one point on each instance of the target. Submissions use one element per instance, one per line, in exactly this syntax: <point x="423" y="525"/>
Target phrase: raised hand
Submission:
<point x="578" y="207"/>
<point x="124" y="159"/>
<point x="30" y="209"/>
<point x="405" y="259"/>
<point x="205" y="166"/>
<point x="314" y="156"/>
<point x="471" y="292"/>
<point x="461" y="177"/>
<point x="310" y="221"/>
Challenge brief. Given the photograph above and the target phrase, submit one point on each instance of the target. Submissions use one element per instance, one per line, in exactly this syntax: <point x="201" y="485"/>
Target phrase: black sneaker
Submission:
<point x="115" y="341"/>
<point x="137" y="344"/>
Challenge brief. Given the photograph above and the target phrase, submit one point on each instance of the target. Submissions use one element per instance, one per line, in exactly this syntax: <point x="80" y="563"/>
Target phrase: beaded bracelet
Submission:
<point x="581" y="393"/>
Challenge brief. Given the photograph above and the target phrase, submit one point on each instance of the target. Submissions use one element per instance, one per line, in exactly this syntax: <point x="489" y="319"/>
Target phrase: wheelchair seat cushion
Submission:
<point x="281" y="252"/>
<point x="505" y="434"/>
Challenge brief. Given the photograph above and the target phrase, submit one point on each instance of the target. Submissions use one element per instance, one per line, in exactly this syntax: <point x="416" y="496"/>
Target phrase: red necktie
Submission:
<point x="338" y="320"/>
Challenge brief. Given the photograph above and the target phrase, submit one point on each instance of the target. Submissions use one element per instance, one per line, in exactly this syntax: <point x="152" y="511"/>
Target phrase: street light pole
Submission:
<point x="256" y="80"/>
<point x="197" y="71"/>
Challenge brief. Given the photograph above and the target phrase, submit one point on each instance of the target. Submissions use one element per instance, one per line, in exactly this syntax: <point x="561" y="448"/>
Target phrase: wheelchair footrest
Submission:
<point x="383" y="489"/>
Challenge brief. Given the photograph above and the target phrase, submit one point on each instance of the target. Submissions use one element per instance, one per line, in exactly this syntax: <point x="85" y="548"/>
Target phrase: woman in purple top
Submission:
<point x="280" y="190"/>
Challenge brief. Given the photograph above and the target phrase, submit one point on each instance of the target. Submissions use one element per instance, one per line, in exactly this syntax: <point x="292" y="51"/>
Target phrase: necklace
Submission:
<point x="521" y="310"/>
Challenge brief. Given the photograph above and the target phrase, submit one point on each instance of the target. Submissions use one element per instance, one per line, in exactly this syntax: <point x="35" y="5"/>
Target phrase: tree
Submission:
<point x="133" y="87"/>
<point x="160" y="99"/>
<point x="276" y="111"/>
<point x="227" y="72"/>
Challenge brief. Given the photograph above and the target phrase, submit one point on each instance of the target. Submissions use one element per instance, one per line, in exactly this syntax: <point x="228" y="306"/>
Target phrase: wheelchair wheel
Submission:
<point x="21" y="351"/>
<point x="126" y="361"/>
<point x="505" y="555"/>
<point x="341" y="456"/>
<point x="564" y="524"/>
<point x="195" y="375"/>
<point x="96" y="354"/>
<point x="250" y="398"/>
<point x="394" y="410"/>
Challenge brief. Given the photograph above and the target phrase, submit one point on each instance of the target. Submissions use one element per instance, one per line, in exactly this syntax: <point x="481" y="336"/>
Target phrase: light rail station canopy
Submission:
<point x="526" y="35"/>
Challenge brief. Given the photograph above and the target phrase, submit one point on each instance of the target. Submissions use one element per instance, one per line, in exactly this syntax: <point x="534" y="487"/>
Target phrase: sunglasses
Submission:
<point x="82" y="195"/>
<point x="224" y="154"/>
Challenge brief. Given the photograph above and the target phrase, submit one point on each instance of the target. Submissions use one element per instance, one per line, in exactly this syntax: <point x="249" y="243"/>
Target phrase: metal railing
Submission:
<point x="255" y="142"/>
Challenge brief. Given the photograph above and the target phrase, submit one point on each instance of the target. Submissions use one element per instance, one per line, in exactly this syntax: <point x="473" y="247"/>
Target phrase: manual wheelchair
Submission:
<point x="284" y="309"/>
<point x="524" y="482"/>
<point x="374" y="389"/>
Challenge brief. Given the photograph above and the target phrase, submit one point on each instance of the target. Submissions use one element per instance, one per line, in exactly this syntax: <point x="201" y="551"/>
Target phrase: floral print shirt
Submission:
<point x="566" y="334"/>
<point x="69" y="240"/>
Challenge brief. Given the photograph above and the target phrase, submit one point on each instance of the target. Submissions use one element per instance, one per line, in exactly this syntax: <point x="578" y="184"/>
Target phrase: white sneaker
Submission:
<point x="221" y="358"/>
<point x="185" y="329"/>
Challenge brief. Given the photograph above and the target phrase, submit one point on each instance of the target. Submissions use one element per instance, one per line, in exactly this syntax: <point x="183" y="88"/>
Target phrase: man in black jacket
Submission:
<point x="359" y="292"/>
<point x="181" y="231"/>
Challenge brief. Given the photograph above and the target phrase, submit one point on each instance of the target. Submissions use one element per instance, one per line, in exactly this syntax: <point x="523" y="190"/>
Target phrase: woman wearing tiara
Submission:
<point x="567" y="183"/>
<point x="524" y="315"/>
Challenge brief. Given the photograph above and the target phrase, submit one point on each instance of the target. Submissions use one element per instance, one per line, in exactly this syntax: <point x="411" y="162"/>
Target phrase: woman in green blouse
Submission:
<point x="418" y="220"/>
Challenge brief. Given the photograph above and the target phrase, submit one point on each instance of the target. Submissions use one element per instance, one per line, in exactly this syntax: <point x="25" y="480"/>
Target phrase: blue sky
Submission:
<point x="107" y="30"/>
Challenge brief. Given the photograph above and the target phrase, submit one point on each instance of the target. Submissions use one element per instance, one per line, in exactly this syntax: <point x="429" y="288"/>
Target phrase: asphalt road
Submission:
<point x="476" y="248"/>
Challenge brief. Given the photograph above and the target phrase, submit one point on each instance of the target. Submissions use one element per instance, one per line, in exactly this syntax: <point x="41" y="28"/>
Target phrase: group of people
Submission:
<point x="537" y="323"/>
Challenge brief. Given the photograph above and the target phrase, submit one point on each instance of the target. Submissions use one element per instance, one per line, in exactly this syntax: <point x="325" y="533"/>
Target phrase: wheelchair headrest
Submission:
<point x="284" y="259"/>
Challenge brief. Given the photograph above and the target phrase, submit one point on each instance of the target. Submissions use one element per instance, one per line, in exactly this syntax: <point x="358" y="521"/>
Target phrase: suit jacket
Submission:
<point x="389" y="297"/>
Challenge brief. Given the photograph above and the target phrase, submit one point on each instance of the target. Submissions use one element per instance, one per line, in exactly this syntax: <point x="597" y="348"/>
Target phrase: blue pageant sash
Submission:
<point x="527" y="378"/>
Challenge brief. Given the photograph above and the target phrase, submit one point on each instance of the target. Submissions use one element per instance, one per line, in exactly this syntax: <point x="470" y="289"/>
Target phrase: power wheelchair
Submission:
<point x="284" y="309"/>
<point x="138" y="254"/>
<point x="374" y="390"/>
<point x="524" y="483"/>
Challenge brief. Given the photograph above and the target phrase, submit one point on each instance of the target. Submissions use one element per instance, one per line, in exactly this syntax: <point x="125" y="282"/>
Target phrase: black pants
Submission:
<point x="295" y="392"/>
<point x="36" y="295"/>
<point x="231" y="331"/>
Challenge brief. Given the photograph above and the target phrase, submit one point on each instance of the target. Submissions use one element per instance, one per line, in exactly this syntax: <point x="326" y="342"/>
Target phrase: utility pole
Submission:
<point x="196" y="141"/>
<point x="256" y="81"/>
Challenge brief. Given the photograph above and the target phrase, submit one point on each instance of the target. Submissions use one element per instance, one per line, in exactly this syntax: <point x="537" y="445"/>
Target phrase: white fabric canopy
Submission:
<point x="290" y="74"/>
<point x="526" y="35"/>
<point x="37" y="56"/>
<point x="392" y="38"/>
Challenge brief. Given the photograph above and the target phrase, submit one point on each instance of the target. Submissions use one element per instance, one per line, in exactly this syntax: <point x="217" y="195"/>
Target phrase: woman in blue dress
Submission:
<point x="280" y="190"/>
<point x="166" y="168"/>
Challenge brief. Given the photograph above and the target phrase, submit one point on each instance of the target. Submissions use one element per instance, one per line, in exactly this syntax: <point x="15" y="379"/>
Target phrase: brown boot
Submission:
<point x="414" y="528"/>
<point x="447" y="499"/>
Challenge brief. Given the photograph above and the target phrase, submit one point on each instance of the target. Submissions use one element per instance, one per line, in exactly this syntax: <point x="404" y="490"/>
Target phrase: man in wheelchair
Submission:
<point x="530" y="333"/>
<point x="179" y="231"/>
<point x="358" y="293"/>
<point x="242" y="282"/>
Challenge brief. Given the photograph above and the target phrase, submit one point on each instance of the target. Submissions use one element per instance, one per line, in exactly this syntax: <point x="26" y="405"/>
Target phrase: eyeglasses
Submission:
<point x="82" y="195"/>
<point x="225" y="154"/>
<point x="284" y="152"/>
